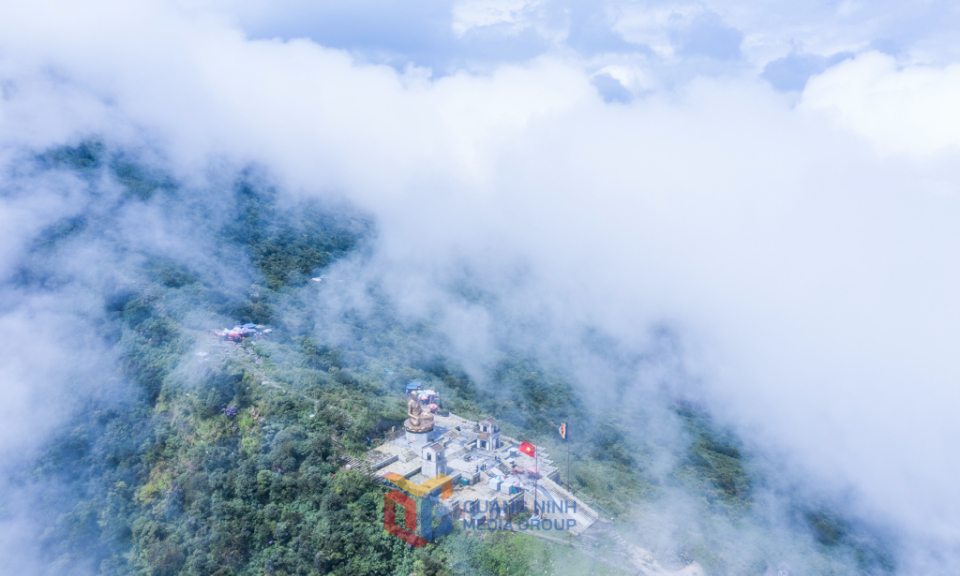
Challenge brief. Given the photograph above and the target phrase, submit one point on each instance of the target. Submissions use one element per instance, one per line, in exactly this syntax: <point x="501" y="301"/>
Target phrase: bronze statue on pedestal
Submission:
<point x="418" y="421"/>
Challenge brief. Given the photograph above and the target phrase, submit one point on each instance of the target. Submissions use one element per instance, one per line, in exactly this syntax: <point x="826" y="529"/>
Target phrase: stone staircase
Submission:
<point x="618" y="554"/>
<point x="359" y="465"/>
<point x="365" y="465"/>
<point x="458" y="453"/>
<point x="585" y="517"/>
<point x="597" y="530"/>
<point x="393" y="435"/>
<point x="548" y="469"/>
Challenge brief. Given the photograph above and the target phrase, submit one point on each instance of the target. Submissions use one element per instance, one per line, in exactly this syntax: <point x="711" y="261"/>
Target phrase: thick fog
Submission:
<point x="779" y="188"/>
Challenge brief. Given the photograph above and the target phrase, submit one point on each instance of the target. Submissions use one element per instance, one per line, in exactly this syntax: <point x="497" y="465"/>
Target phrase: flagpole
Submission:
<point x="536" y="479"/>
<point x="567" y="440"/>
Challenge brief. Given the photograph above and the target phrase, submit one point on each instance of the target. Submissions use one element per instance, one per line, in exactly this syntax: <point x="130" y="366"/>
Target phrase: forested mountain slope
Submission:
<point x="178" y="460"/>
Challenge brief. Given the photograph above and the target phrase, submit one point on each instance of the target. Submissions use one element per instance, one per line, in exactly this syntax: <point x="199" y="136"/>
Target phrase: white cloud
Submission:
<point x="908" y="110"/>
<point x="654" y="25"/>
<point x="469" y="14"/>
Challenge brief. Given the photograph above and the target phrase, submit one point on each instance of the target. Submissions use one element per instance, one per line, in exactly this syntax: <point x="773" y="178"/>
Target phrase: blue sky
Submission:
<point x="674" y="40"/>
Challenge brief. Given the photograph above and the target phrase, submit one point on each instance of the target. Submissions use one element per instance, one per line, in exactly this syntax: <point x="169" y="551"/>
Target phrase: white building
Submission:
<point x="433" y="460"/>
<point x="489" y="437"/>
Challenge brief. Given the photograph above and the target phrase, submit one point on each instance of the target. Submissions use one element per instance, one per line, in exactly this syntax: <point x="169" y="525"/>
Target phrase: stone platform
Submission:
<point x="421" y="439"/>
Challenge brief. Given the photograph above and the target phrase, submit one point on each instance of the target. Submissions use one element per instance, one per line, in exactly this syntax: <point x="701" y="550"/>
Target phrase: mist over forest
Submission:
<point x="716" y="245"/>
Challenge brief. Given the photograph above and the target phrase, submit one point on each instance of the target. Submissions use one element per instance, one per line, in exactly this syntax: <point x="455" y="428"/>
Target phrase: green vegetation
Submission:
<point x="287" y="246"/>
<point x="508" y="554"/>
<point x="168" y="482"/>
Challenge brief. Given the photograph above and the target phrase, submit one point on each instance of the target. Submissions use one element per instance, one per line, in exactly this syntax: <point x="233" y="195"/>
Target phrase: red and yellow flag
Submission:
<point x="563" y="430"/>
<point x="528" y="449"/>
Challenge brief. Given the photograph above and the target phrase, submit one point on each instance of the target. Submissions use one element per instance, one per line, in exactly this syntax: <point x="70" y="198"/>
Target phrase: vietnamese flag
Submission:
<point x="528" y="449"/>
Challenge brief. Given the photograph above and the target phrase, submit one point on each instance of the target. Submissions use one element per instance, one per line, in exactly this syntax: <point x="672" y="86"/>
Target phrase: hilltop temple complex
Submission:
<point x="490" y="475"/>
